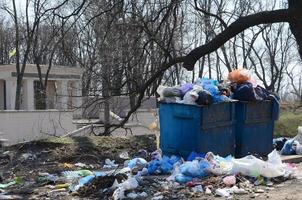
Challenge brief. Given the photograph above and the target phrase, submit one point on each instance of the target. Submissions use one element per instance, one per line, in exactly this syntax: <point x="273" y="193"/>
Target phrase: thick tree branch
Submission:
<point x="144" y="87"/>
<point x="235" y="28"/>
<point x="296" y="23"/>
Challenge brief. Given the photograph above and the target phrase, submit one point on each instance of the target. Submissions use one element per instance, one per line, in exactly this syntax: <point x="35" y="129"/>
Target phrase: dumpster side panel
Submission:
<point x="179" y="125"/>
<point x="217" y="129"/>
<point x="254" y="128"/>
<point x="257" y="139"/>
<point x="219" y="140"/>
<point x="187" y="128"/>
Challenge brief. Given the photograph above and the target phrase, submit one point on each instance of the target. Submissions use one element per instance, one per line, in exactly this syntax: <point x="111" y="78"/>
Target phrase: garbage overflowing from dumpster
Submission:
<point x="225" y="117"/>
<point x="240" y="85"/>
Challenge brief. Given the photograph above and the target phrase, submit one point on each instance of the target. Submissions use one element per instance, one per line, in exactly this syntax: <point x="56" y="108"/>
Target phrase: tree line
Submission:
<point x="129" y="47"/>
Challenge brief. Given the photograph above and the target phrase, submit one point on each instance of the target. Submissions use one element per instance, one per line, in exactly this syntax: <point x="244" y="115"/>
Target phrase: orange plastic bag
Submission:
<point x="239" y="76"/>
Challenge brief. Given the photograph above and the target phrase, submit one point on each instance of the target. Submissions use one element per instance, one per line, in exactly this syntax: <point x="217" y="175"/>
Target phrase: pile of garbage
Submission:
<point x="290" y="146"/>
<point x="153" y="174"/>
<point x="196" y="170"/>
<point x="240" y="86"/>
<point x="119" y="182"/>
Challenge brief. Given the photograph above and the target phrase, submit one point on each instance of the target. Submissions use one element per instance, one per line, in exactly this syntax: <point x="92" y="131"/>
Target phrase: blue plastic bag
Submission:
<point x="174" y="159"/>
<point x="137" y="161"/>
<point x="166" y="166"/>
<point x="194" y="155"/>
<point x="163" y="166"/>
<point x="289" y="147"/>
<point x="180" y="178"/>
<point x="212" y="87"/>
<point x="195" y="168"/>
<point x="204" y="82"/>
<point x="153" y="167"/>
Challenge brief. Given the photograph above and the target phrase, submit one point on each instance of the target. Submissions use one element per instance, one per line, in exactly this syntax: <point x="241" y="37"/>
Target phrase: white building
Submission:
<point x="33" y="121"/>
<point x="62" y="111"/>
<point x="63" y="88"/>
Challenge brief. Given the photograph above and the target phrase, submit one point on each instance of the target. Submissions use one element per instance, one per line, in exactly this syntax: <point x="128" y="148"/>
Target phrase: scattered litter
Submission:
<point x="119" y="193"/>
<point x="237" y="190"/>
<point x="124" y="155"/>
<point x="142" y="153"/>
<point x="110" y="164"/>
<point x="180" y="178"/>
<point x="17" y="180"/>
<point x="156" y="155"/>
<point x="203" y="173"/>
<point x="81" y="183"/>
<point x="162" y="165"/>
<point x="6" y="196"/>
<point x="6" y="185"/>
<point x="76" y="174"/>
<point x="193" y="183"/>
<point x="68" y="165"/>
<point x="28" y="156"/>
<point x="229" y="180"/>
<point x="208" y="191"/>
<point x="81" y="165"/>
<point x="45" y="177"/>
<point x="222" y="192"/>
<point x="137" y="162"/>
<point x="195" y="168"/>
<point x="259" y="191"/>
<point x="254" y="167"/>
<point x="254" y="195"/>
<point x="64" y="185"/>
<point x="129" y="184"/>
<point x="158" y="197"/>
<point x="197" y="189"/>
<point x="134" y="195"/>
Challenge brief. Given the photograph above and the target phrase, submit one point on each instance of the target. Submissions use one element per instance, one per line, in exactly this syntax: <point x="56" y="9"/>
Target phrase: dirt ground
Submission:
<point x="55" y="155"/>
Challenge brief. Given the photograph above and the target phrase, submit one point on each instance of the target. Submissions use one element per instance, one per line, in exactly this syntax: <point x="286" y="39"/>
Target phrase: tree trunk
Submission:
<point x="18" y="93"/>
<point x="19" y="76"/>
<point x="296" y="23"/>
<point x="106" y="116"/>
<point x="106" y="96"/>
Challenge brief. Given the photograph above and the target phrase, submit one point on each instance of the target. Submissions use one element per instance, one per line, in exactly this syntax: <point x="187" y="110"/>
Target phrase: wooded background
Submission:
<point x="129" y="47"/>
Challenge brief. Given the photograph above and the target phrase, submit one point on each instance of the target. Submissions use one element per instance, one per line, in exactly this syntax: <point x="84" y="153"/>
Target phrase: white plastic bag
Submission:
<point x="298" y="137"/>
<point x="190" y="98"/>
<point x="252" y="166"/>
<point x="119" y="194"/>
<point x="274" y="158"/>
<point x="176" y="171"/>
<point x="197" y="88"/>
<point x="160" y="90"/>
<point x="130" y="184"/>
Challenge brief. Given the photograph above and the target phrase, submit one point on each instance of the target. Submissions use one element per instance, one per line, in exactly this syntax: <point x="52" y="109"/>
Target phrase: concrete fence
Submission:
<point x="19" y="126"/>
<point x="139" y="123"/>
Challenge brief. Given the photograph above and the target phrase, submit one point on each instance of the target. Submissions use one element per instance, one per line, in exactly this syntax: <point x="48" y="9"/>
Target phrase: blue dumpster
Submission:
<point x="255" y="127"/>
<point x="187" y="128"/>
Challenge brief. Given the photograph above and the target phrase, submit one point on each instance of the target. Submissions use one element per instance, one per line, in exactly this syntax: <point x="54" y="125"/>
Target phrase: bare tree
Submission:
<point x="5" y="41"/>
<point x="31" y="26"/>
<point x="295" y="81"/>
<point x="273" y="57"/>
<point x="290" y="14"/>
